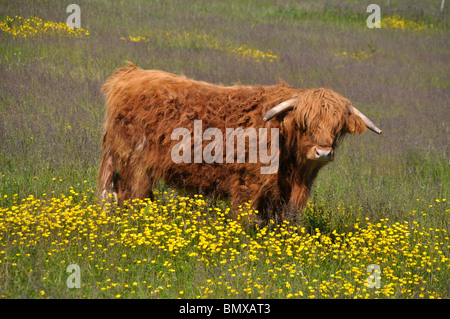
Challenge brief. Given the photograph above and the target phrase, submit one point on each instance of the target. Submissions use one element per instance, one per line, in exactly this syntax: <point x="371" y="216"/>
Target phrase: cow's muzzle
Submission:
<point x="323" y="154"/>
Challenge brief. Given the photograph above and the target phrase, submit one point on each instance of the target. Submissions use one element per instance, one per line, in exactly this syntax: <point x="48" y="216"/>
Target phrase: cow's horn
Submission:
<point x="366" y="120"/>
<point x="280" y="108"/>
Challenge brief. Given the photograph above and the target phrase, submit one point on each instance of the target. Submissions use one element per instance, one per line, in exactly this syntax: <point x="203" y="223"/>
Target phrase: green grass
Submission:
<point x="51" y="113"/>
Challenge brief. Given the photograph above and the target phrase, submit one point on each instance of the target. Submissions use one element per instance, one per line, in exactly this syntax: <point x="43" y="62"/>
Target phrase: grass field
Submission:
<point x="382" y="204"/>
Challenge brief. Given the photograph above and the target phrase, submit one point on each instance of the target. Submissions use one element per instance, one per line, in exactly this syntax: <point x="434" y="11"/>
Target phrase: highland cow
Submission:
<point x="145" y="107"/>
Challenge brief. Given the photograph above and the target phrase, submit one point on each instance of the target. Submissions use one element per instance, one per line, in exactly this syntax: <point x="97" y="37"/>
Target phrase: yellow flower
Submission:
<point x="34" y="27"/>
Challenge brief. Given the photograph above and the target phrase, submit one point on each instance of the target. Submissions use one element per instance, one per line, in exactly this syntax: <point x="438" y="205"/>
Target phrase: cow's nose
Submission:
<point x="324" y="154"/>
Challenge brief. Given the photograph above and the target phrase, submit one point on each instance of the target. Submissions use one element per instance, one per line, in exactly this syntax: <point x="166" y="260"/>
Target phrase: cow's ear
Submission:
<point x="355" y="124"/>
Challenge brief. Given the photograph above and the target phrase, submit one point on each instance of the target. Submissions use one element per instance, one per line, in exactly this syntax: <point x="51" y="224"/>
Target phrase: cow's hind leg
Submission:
<point x="106" y="179"/>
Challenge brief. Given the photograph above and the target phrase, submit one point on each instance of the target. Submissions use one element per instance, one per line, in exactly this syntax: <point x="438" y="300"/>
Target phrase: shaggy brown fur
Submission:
<point x="144" y="107"/>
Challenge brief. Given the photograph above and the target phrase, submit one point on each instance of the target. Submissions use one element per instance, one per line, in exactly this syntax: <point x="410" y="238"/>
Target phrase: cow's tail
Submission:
<point x="105" y="182"/>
